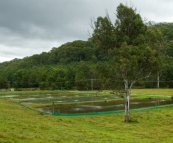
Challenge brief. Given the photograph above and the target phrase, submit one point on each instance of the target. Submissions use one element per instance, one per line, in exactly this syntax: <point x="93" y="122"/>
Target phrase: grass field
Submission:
<point x="20" y="125"/>
<point x="136" y="91"/>
<point x="154" y="91"/>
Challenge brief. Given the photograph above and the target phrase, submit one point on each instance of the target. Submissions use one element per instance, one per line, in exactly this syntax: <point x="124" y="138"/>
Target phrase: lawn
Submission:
<point x="20" y="125"/>
<point x="159" y="91"/>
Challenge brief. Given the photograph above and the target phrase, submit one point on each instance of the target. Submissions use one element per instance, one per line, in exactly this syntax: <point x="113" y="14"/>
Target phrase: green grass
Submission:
<point x="20" y="125"/>
<point x="159" y="91"/>
<point x="134" y="91"/>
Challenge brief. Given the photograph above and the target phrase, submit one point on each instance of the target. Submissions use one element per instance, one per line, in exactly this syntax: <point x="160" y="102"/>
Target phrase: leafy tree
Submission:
<point x="103" y="37"/>
<point x="44" y="85"/>
<point x="166" y="29"/>
<point x="133" y="48"/>
<point x="51" y="79"/>
<point x="167" y="73"/>
<point x="60" y="82"/>
<point x="53" y="86"/>
<point x="137" y="55"/>
<point x="169" y="49"/>
<point x="32" y="79"/>
<point x="129" y="26"/>
<point x="3" y="82"/>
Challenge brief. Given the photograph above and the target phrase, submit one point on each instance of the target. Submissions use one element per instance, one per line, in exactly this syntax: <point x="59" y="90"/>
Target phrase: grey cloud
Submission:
<point x="45" y="19"/>
<point x="33" y="26"/>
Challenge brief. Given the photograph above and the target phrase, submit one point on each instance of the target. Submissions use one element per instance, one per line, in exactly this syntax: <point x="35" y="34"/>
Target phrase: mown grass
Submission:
<point x="20" y="125"/>
<point x="106" y="92"/>
<point x="159" y="91"/>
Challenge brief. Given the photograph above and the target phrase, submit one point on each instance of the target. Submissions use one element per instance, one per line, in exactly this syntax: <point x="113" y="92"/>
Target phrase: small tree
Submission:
<point x="134" y="48"/>
<point x="138" y="53"/>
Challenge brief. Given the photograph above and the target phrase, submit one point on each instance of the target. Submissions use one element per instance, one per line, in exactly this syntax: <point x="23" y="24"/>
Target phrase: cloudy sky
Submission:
<point x="30" y="27"/>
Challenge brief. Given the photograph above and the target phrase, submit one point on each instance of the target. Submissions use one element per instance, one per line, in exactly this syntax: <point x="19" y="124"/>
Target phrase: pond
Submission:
<point x="101" y="106"/>
<point x="85" y="103"/>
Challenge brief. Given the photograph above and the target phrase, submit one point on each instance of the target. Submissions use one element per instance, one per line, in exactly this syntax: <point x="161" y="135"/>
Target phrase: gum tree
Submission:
<point x="134" y="63"/>
<point x="138" y="50"/>
<point x="135" y="48"/>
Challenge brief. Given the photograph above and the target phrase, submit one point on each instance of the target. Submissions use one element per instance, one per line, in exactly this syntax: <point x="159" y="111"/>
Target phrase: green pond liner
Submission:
<point x="97" y="113"/>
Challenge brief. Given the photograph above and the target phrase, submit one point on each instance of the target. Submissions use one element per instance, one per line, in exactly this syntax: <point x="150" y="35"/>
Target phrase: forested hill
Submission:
<point x="70" y="52"/>
<point x="76" y="51"/>
<point x="74" y="64"/>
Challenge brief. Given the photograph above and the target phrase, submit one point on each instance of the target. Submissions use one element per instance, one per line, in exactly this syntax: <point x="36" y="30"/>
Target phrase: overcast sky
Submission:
<point x="30" y="27"/>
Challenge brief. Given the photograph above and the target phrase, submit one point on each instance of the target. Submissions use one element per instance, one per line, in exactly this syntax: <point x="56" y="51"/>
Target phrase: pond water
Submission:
<point x="85" y="103"/>
<point x="47" y="99"/>
<point x="101" y="106"/>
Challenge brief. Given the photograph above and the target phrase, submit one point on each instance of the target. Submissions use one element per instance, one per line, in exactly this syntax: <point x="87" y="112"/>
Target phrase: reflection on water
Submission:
<point x="103" y="106"/>
<point x="47" y="99"/>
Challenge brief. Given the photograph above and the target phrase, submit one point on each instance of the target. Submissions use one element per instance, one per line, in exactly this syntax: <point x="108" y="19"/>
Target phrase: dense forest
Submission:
<point x="91" y="64"/>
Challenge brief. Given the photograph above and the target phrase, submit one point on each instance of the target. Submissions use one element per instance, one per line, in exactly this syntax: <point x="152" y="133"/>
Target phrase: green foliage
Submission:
<point x="129" y="26"/>
<point x="53" y="86"/>
<point x="3" y="82"/>
<point x="169" y="48"/>
<point x="103" y="37"/>
<point x="44" y="85"/>
<point x="166" y="29"/>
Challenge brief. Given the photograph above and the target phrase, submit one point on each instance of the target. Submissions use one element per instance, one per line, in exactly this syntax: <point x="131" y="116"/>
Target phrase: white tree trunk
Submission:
<point x="158" y="81"/>
<point x="127" y="101"/>
<point x="128" y="86"/>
